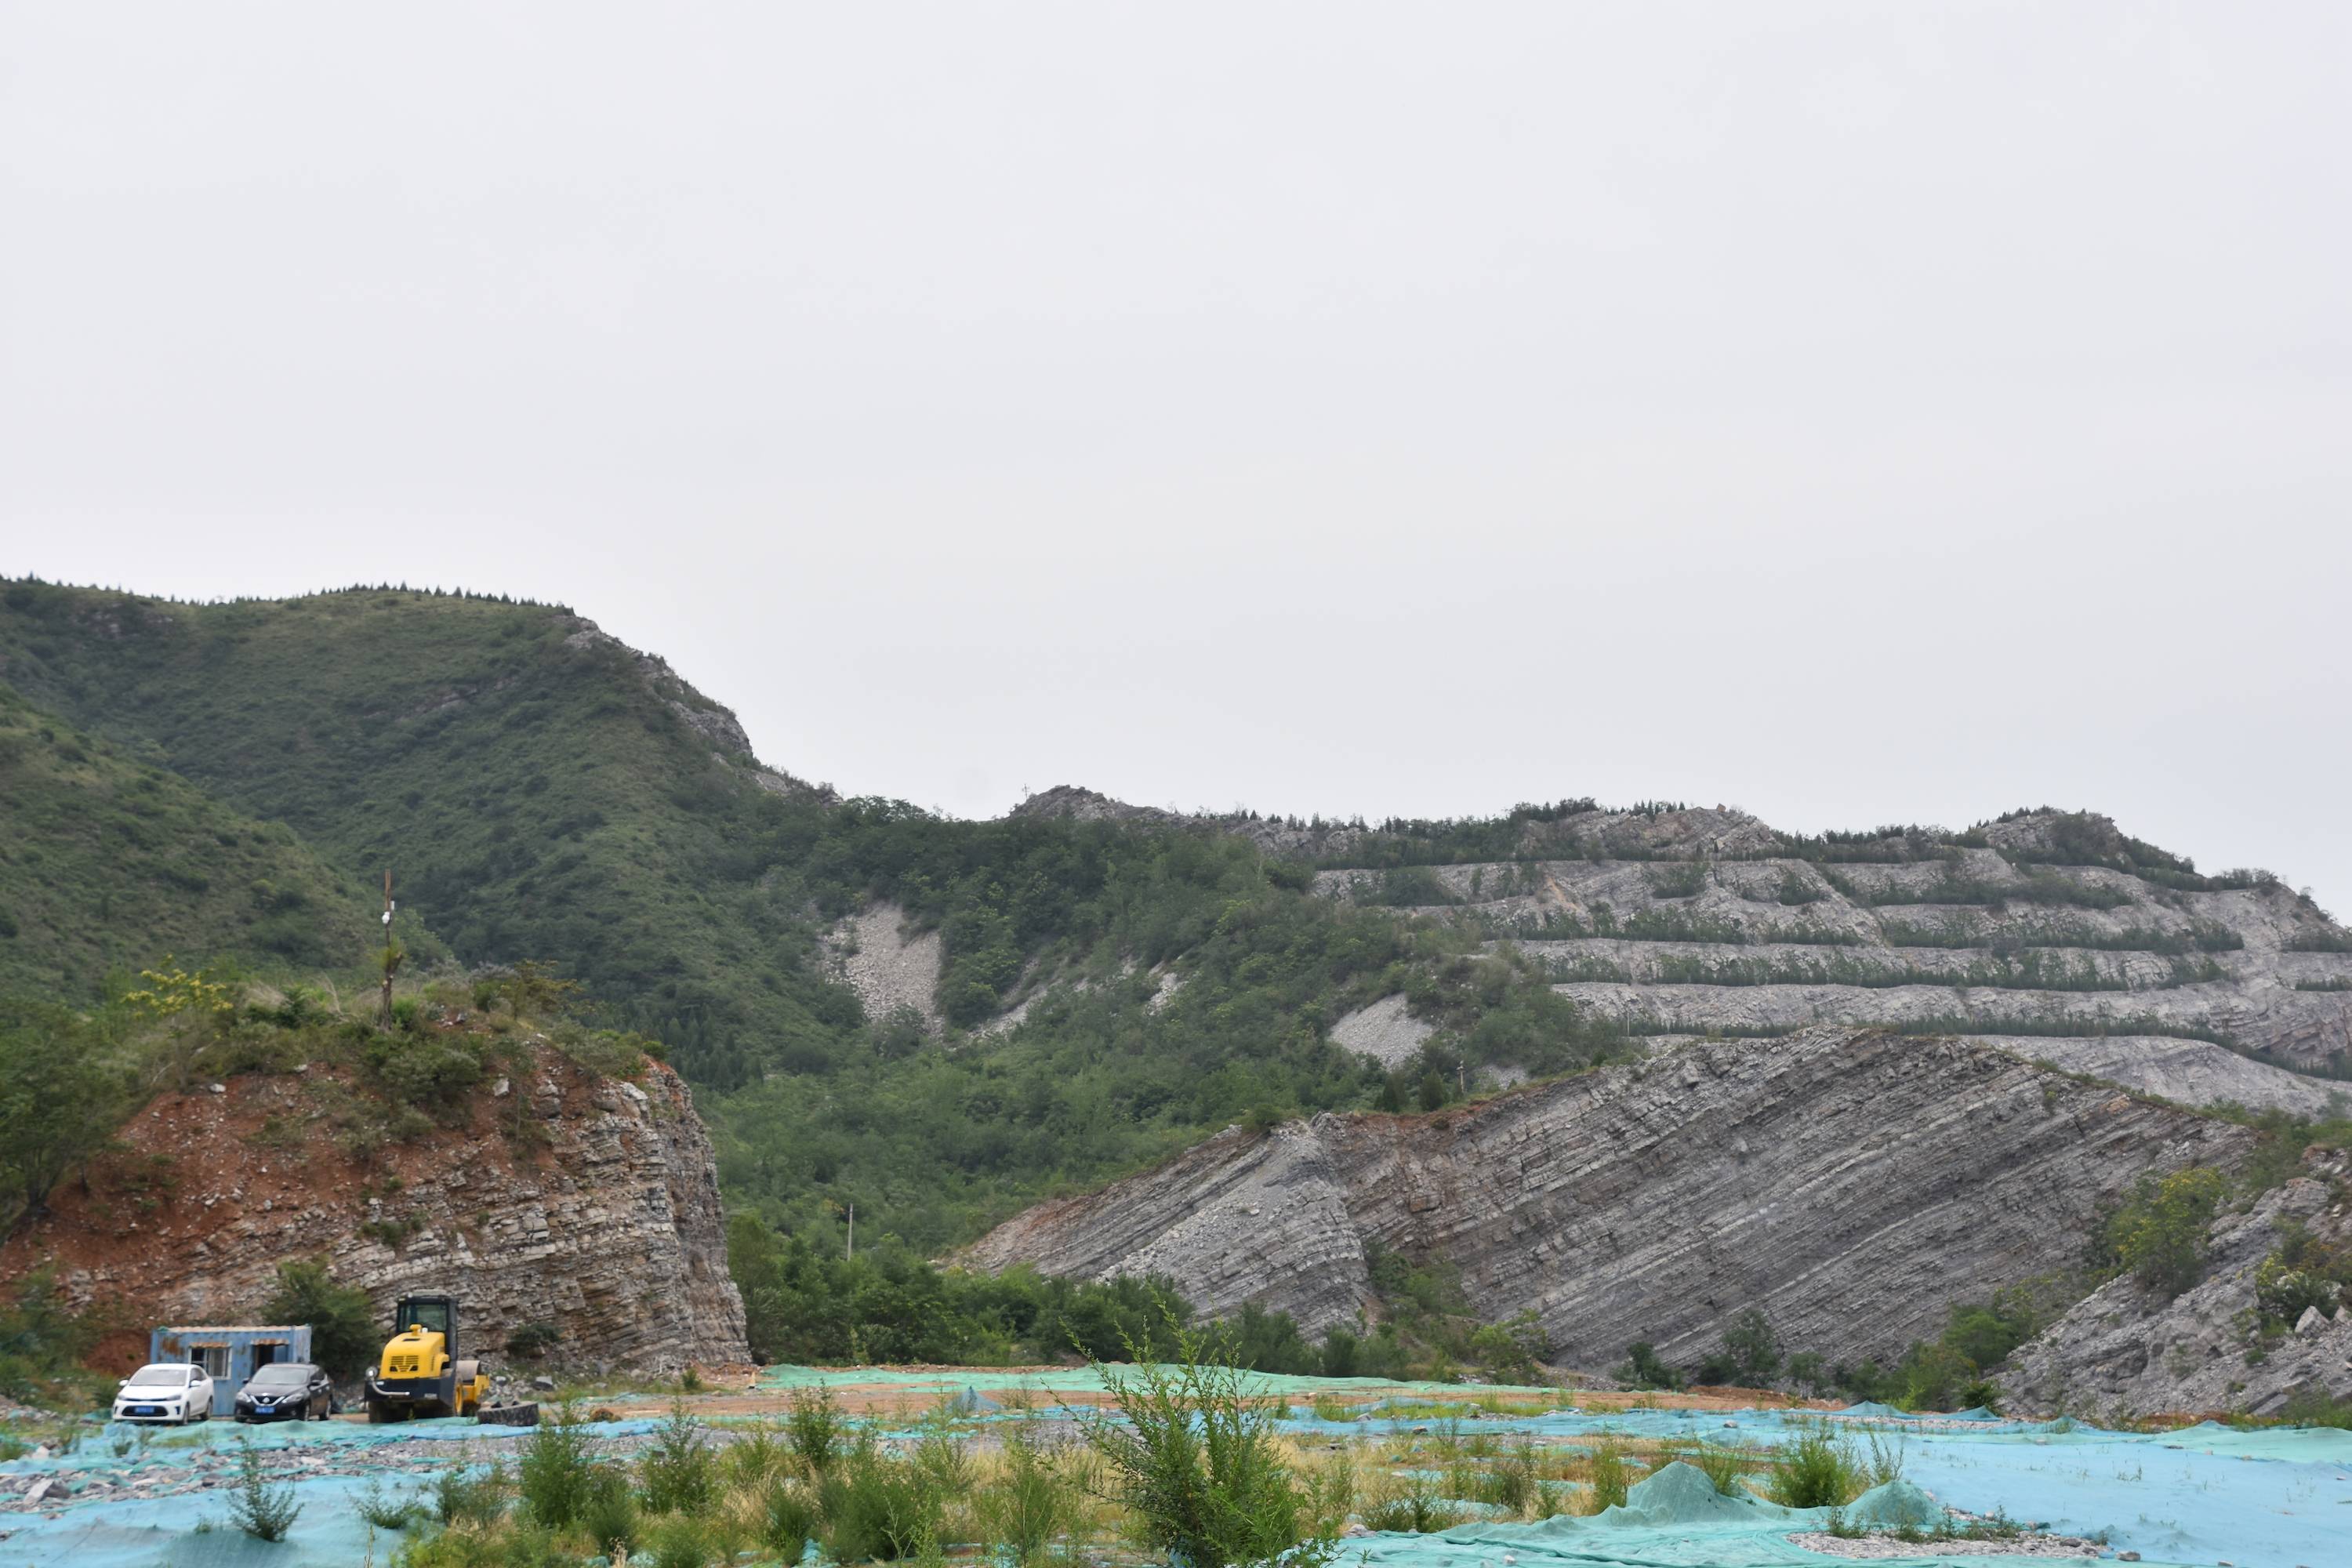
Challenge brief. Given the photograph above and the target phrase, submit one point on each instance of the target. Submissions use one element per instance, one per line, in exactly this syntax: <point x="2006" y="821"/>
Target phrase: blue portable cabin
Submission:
<point x="230" y="1352"/>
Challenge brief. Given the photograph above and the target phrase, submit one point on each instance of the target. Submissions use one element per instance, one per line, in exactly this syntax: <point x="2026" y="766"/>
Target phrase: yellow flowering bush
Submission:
<point x="173" y="990"/>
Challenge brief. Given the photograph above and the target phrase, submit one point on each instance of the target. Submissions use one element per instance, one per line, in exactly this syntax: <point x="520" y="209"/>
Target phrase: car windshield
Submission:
<point x="160" y="1377"/>
<point x="284" y="1374"/>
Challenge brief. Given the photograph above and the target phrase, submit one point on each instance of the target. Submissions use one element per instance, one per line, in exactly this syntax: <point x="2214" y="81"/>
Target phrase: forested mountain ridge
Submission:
<point x="543" y="792"/>
<point x="537" y="789"/>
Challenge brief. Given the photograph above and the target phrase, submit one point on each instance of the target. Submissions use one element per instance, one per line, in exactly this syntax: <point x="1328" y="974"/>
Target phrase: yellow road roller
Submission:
<point x="420" y="1373"/>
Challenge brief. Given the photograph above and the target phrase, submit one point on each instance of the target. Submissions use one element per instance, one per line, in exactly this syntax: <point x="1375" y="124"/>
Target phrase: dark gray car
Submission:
<point x="286" y="1391"/>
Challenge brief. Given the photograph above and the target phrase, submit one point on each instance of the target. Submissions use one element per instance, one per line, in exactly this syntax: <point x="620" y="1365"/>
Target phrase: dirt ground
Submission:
<point x="1013" y="1386"/>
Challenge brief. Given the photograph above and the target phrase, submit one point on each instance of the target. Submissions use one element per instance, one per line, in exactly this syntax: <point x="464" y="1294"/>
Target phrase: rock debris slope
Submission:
<point x="587" y="1203"/>
<point x="1851" y="1183"/>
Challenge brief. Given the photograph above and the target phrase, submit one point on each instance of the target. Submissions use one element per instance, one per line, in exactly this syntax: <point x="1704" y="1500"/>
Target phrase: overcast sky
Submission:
<point x="1853" y="413"/>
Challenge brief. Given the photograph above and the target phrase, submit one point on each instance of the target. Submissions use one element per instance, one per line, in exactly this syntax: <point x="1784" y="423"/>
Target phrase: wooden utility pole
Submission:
<point x="391" y="962"/>
<point x="849" y="1246"/>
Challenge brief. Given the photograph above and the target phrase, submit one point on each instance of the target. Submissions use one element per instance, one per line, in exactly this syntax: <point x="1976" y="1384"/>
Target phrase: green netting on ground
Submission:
<point x="1675" y="1519"/>
<point x="2267" y="1498"/>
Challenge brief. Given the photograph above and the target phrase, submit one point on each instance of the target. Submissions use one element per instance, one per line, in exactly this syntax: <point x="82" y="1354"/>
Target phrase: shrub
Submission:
<point x="556" y="1476"/>
<point x="680" y="1543"/>
<point x="1411" y="1502"/>
<point x="1196" y="1461"/>
<point x="610" y="1519"/>
<point x="460" y="1497"/>
<point x="1726" y="1468"/>
<point x="1817" y="1470"/>
<point x="42" y="1343"/>
<point x="758" y="1454"/>
<point x="382" y="1512"/>
<point x="2313" y="1406"/>
<point x="1512" y="1482"/>
<point x="1607" y="1483"/>
<point x="1509" y="1351"/>
<point x="1751" y="1352"/>
<point x="2158" y="1233"/>
<point x="1934" y="1376"/>
<point x="816" y="1428"/>
<point x="1676" y="880"/>
<point x="1645" y="1369"/>
<point x="2285" y="1294"/>
<point x="941" y="1451"/>
<point x="1795" y="891"/>
<point x="788" y="1521"/>
<point x="533" y="1339"/>
<point x="261" y="1511"/>
<point x="878" y="1507"/>
<point x="1030" y="1505"/>
<point x="1406" y="886"/>
<point x="679" y="1472"/>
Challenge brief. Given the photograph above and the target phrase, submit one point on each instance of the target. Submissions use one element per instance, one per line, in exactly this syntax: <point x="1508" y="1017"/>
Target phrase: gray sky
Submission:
<point x="1853" y="413"/>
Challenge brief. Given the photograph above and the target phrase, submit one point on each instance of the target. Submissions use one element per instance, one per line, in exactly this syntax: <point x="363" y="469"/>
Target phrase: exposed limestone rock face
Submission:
<point x="2128" y="1349"/>
<point x="590" y="1203"/>
<point x="888" y="967"/>
<point x="1852" y="1183"/>
<point x="1871" y="943"/>
<point x="2191" y="1072"/>
<point x="1383" y="1031"/>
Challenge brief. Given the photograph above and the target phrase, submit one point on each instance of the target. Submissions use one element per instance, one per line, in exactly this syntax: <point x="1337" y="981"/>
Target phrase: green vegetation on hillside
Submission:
<point x="108" y="863"/>
<point x="933" y="1142"/>
<point x="537" y="791"/>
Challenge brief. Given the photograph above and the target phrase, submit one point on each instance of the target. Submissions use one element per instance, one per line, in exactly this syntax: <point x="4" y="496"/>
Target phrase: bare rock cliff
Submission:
<point x="587" y="1203"/>
<point x="1851" y="1183"/>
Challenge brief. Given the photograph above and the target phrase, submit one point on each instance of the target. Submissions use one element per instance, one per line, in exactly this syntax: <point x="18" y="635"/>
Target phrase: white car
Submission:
<point x="170" y="1392"/>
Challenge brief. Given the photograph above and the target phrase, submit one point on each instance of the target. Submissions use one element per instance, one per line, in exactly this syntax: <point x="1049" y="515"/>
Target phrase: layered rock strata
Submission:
<point x="585" y="1203"/>
<point x="1851" y="1184"/>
